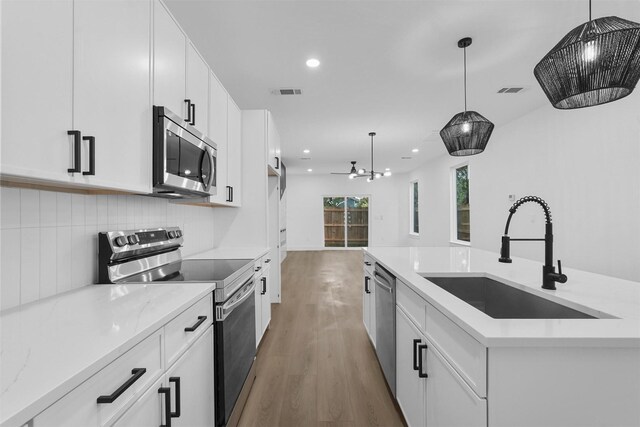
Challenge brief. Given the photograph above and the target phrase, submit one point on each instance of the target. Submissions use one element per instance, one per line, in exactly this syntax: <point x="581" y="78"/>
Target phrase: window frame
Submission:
<point x="453" y="210"/>
<point x="345" y="247"/>
<point x="412" y="232"/>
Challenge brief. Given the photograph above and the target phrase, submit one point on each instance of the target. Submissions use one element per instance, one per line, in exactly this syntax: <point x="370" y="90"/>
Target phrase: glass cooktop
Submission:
<point x="221" y="271"/>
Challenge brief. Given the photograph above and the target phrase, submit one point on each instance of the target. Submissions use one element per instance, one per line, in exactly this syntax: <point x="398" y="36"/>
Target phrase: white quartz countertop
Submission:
<point x="51" y="346"/>
<point x="231" y="253"/>
<point x="615" y="302"/>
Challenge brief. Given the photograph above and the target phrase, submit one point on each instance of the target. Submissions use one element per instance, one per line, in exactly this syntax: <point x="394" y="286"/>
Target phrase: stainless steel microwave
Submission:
<point x="184" y="160"/>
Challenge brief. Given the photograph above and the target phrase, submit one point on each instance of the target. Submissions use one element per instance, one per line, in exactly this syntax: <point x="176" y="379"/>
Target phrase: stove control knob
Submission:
<point x="178" y="233"/>
<point x="172" y="234"/>
<point x="133" y="239"/>
<point x="120" y="241"/>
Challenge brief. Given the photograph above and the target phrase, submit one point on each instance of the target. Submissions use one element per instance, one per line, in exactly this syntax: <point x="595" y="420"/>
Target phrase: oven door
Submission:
<point x="235" y="348"/>
<point x="184" y="159"/>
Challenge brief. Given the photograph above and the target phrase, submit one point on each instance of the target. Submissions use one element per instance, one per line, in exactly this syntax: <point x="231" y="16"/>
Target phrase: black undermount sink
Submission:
<point x="502" y="301"/>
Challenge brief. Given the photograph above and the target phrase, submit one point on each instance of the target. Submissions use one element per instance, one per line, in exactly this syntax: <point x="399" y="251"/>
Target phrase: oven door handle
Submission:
<point x="223" y="311"/>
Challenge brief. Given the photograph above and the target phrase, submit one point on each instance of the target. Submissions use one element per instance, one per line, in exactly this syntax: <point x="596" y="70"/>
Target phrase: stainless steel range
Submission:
<point x="153" y="256"/>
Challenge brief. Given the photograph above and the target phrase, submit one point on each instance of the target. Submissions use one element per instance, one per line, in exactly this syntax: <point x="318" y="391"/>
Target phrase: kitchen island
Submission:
<point x="506" y="372"/>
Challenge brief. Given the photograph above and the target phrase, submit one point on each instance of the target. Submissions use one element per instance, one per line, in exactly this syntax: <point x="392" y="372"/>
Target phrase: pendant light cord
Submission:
<point x="589" y="10"/>
<point x="465" y="78"/>
<point x="371" y="156"/>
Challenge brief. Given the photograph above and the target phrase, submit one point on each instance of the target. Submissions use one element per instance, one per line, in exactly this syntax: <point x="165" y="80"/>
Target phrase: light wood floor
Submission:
<point x="316" y="366"/>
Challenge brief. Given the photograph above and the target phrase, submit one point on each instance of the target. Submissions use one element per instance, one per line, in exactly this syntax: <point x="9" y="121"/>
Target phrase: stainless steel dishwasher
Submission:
<point x="386" y="323"/>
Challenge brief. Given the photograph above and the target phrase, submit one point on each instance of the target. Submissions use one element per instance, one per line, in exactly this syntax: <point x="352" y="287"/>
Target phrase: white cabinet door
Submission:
<point x="194" y="374"/>
<point x="169" y="59"/>
<point x="372" y="313"/>
<point x="198" y="89"/>
<point x="218" y="122"/>
<point x="148" y="411"/>
<point x="234" y="152"/>
<point x="273" y="145"/>
<point x="111" y="93"/>
<point x="410" y="388"/>
<point x="257" y="279"/>
<point x="449" y="400"/>
<point x="366" y="303"/>
<point x="266" y="298"/>
<point x="37" y="88"/>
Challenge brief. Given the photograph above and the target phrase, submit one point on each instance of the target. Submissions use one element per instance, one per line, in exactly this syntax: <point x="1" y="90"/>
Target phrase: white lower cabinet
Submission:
<point x="369" y="305"/>
<point x="194" y="374"/>
<point x="263" y="302"/>
<point x="428" y="389"/>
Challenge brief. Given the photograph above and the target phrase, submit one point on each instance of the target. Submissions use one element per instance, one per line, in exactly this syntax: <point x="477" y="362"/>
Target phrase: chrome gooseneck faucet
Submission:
<point x="549" y="275"/>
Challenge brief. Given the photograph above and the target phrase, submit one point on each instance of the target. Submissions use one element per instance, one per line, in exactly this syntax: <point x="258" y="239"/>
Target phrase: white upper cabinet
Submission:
<point x="273" y="147"/>
<point x="197" y="90"/>
<point x="112" y="90"/>
<point x="80" y="66"/>
<point x="37" y="88"/>
<point x="234" y="153"/>
<point x="218" y="133"/>
<point x="169" y="59"/>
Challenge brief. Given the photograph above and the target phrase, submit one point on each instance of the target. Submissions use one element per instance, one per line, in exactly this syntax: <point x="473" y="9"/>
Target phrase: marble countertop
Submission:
<point x="231" y="253"/>
<point x="615" y="302"/>
<point x="51" y="346"/>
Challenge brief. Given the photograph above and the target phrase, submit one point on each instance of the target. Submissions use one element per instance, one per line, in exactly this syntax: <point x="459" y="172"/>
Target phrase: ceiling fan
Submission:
<point x="363" y="173"/>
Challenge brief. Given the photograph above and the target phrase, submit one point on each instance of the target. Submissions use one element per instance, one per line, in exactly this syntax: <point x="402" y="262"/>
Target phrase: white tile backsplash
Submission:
<point x="49" y="239"/>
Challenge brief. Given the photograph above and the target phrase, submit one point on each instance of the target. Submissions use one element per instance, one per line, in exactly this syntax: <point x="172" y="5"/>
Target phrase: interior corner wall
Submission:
<point x="585" y="163"/>
<point x="305" y="218"/>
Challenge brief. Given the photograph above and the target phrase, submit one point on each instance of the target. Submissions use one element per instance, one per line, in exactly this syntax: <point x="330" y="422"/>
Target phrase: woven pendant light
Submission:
<point x="468" y="132"/>
<point x="595" y="63"/>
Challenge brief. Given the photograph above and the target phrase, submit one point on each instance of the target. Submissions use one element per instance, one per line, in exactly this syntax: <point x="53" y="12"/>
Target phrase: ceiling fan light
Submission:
<point x="361" y="171"/>
<point x="378" y="175"/>
<point x="369" y="179"/>
<point x="595" y="63"/>
<point x="352" y="175"/>
<point x="466" y="134"/>
<point x="387" y="173"/>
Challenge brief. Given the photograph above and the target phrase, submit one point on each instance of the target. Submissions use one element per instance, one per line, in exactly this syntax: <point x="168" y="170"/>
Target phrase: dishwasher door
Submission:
<point x="386" y="324"/>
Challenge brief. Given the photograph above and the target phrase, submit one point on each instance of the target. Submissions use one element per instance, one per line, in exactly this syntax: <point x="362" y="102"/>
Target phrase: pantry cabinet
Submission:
<point x="234" y="153"/>
<point x="273" y="147"/>
<point x="66" y="68"/>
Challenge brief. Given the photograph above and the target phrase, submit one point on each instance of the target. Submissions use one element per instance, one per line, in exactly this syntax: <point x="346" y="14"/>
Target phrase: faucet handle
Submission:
<point x="559" y="267"/>
<point x="560" y="278"/>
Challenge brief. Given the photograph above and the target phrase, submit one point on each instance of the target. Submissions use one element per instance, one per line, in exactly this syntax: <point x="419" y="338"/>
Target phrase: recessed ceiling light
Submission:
<point x="415" y="150"/>
<point x="309" y="170"/>
<point x="312" y="63"/>
<point x="387" y="169"/>
<point x="306" y="151"/>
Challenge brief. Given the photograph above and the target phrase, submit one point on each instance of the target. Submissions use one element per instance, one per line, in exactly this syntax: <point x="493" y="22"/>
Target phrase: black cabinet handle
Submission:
<point x="258" y="268"/>
<point x="366" y="284"/>
<point x="264" y="285"/>
<point x="136" y="374"/>
<point x="200" y="321"/>
<point x="232" y="194"/>
<point x="77" y="155"/>
<point x="415" y="354"/>
<point x="277" y="162"/>
<point x="420" y="373"/>
<point x="167" y="405"/>
<point x="188" y="119"/>
<point x="367" y="263"/>
<point x="229" y="199"/>
<point x="193" y="114"/>
<point x="92" y="155"/>
<point x="176" y="381"/>
<point x="267" y="261"/>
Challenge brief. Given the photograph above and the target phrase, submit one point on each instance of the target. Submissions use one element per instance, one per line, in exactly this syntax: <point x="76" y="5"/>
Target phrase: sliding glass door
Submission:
<point x="346" y="221"/>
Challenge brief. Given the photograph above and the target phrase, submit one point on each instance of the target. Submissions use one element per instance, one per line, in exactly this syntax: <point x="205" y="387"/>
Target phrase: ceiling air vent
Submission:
<point x="511" y="90"/>
<point x="405" y="158"/>
<point x="287" y="91"/>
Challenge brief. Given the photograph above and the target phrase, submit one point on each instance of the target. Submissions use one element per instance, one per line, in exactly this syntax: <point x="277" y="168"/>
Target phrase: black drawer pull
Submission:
<point x="367" y="263"/>
<point x="136" y="374"/>
<point x="201" y="319"/>
<point x="420" y="373"/>
<point x="229" y="198"/>
<point x="167" y="405"/>
<point x="176" y="381"/>
<point x="193" y="114"/>
<point x="188" y="119"/>
<point x="264" y="285"/>
<point x="258" y="268"/>
<point x="415" y="355"/>
<point x="267" y="261"/>
<point x="92" y="155"/>
<point x="277" y="162"/>
<point x="366" y="284"/>
<point x="77" y="155"/>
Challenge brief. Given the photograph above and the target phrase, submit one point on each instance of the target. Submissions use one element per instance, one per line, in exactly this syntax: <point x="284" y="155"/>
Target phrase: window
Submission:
<point x="346" y="221"/>
<point x="461" y="230"/>
<point x="414" y="223"/>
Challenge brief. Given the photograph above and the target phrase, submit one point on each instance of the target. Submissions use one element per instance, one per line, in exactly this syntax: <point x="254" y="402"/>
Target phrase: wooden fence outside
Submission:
<point x="357" y="227"/>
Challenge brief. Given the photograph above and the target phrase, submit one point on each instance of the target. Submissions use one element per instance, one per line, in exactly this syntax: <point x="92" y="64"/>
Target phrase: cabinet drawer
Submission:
<point x="80" y="407"/>
<point x="177" y="339"/>
<point x="412" y="304"/>
<point x="467" y="356"/>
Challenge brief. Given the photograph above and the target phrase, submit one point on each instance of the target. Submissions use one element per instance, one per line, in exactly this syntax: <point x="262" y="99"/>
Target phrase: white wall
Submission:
<point x="49" y="240"/>
<point x="305" y="220"/>
<point x="585" y="163"/>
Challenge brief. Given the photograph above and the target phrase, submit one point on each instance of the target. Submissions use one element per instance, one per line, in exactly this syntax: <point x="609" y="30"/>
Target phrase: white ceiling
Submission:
<point x="392" y="67"/>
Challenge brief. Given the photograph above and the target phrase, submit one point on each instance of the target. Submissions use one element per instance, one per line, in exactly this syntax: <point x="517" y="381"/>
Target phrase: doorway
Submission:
<point x="346" y="221"/>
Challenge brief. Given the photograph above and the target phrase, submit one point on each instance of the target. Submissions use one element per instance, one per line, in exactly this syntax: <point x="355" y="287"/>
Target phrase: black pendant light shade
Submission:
<point x="466" y="134"/>
<point x="596" y="63"/>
